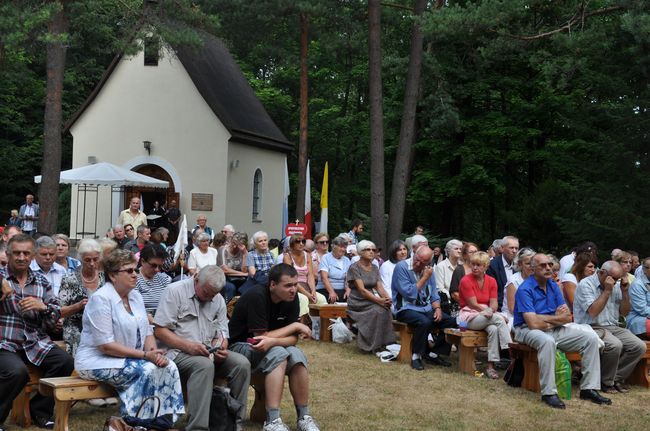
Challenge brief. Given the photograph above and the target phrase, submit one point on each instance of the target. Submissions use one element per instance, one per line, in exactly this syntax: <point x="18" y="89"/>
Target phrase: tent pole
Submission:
<point x="96" y="208"/>
<point x="83" y="223"/>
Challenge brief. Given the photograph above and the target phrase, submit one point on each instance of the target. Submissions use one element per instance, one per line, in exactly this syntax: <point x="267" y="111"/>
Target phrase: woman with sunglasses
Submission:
<point x="129" y="231"/>
<point x="368" y="303"/>
<point x="301" y="261"/>
<point x="333" y="269"/>
<point x="152" y="282"/>
<point x="117" y="346"/>
<point x="322" y="241"/>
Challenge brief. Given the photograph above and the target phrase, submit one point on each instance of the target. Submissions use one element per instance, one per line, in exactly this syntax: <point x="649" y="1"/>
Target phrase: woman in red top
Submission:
<point x="478" y="301"/>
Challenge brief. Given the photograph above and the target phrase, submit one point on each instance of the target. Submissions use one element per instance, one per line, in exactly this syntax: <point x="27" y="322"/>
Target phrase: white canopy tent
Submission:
<point x="89" y="178"/>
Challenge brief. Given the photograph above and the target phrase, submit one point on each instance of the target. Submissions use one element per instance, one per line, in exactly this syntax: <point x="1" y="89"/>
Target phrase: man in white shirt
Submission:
<point x="501" y="267"/>
<point x="29" y="215"/>
<point x="45" y="264"/>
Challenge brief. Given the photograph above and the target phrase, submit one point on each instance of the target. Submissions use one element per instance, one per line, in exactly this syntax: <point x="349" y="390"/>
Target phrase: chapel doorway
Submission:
<point x="149" y="195"/>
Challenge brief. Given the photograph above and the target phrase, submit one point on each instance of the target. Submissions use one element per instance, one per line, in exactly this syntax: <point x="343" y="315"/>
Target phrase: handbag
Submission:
<point x="161" y="423"/>
<point x="223" y="410"/>
<point x="515" y="373"/>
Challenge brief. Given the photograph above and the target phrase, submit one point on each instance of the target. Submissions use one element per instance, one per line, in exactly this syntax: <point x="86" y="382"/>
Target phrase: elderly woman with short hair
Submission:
<point x="117" y="346"/>
<point x="202" y="255"/>
<point x="478" y="299"/>
<point x="333" y="269"/>
<point x="523" y="270"/>
<point x="368" y="303"/>
<point x="76" y="288"/>
<point x="260" y="258"/>
<point x="62" y="253"/>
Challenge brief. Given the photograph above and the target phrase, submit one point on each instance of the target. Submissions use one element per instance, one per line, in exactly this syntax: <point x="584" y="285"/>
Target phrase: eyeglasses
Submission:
<point x="322" y="242"/>
<point x="301" y="241"/>
<point x="154" y="265"/>
<point x="127" y="270"/>
<point x="545" y="264"/>
<point x="128" y="229"/>
<point x="371" y="249"/>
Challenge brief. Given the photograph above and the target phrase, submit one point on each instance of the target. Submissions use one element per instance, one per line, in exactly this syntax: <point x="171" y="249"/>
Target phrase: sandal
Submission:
<point x="492" y="373"/>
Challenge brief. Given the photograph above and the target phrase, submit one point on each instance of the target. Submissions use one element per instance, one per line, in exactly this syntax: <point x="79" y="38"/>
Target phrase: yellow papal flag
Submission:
<point x="323" y="203"/>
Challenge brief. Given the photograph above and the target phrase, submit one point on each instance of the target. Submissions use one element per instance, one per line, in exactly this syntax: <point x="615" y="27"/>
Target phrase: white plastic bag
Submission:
<point x="315" y="327"/>
<point x="340" y="333"/>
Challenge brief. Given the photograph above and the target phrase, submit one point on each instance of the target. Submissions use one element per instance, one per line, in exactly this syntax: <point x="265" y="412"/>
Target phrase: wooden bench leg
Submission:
<point x="258" y="411"/>
<point x="325" y="333"/>
<point x="20" y="409"/>
<point x="640" y="374"/>
<point x="531" y="372"/>
<point x="406" y="341"/>
<point x="466" y="359"/>
<point x="61" y="415"/>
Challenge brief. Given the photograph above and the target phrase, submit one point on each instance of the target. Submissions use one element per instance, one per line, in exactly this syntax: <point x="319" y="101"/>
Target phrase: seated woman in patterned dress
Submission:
<point x="368" y="303"/>
<point x="117" y="345"/>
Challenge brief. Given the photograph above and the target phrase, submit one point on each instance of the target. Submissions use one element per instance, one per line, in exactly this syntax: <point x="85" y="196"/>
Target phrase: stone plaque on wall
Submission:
<point x="201" y="201"/>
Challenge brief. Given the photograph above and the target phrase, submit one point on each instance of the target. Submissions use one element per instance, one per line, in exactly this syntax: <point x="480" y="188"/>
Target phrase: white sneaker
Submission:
<point x="97" y="402"/>
<point x="111" y="401"/>
<point x="276" y="425"/>
<point x="307" y="423"/>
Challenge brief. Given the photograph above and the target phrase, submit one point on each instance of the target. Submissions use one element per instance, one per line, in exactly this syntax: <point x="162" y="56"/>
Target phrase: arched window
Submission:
<point x="257" y="194"/>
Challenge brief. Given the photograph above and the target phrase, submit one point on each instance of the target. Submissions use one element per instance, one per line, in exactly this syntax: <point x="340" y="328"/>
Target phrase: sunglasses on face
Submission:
<point x="127" y="270"/>
<point x="545" y="264"/>
<point x="371" y="249"/>
<point x="323" y="242"/>
<point x="301" y="241"/>
<point x="128" y="230"/>
<point x="154" y="265"/>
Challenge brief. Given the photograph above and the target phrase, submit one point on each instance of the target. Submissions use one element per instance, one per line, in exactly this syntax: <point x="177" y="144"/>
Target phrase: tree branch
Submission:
<point x="578" y="18"/>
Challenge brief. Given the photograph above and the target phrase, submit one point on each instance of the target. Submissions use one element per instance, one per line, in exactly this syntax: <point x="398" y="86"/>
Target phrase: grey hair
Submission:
<point x="163" y="230"/>
<point x="451" y="244"/>
<point x="118" y="226"/>
<point x="416" y="239"/>
<point x="62" y="237"/>
<point x="521" y="254"/>
<point x="345" y="236"/>
<point x="609" y="265"/>
<point x="339" y="241"/>
<point x="141" y="228"/>
<point x="257" y="235"/>
<point x="508" y="238"/>
<point x="497" y="243"/>
<point x="365" y="244"/>
<point x="202" y="237"/>
<point x="45" y="242"/>
<point x="211" y="276"/>
<point x="89" y="246"/>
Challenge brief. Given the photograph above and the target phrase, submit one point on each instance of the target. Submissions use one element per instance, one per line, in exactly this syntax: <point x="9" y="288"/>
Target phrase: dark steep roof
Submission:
<point x="223" y="86"/>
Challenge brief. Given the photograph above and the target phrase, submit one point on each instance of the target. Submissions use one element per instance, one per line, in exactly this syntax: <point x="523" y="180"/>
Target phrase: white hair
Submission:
<point x="89" y="246"/>
<point x="451" y="244"/>
<point x="365" y="244"/>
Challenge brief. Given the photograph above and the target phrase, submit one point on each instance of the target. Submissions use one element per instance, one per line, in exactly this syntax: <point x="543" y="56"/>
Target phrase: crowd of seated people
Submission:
<point x="121" y="306"/>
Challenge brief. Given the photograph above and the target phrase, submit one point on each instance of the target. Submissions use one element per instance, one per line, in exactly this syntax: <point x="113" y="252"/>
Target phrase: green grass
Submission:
<point x="355" y="391"/>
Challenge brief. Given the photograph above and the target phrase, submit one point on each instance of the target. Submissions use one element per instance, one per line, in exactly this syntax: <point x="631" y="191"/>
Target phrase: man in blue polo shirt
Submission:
<point x="540" y="316"/>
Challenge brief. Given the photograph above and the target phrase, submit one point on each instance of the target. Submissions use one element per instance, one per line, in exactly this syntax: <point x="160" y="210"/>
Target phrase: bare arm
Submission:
<point x="510" y="295"/>
<point x="569" y="292"/>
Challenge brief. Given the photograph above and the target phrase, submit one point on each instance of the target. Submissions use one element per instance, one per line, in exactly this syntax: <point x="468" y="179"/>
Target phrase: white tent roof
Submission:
<point x="107" y="174"/>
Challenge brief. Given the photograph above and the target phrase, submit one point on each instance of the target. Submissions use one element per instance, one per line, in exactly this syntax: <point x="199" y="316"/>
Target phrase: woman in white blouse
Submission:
<point x="202" y="255"/>
<point x="117" y="345"/>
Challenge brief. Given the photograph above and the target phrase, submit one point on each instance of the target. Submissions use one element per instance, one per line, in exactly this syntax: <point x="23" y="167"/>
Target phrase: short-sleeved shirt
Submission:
<point x="336" y="270"/>
<point x="105" y="321"/>
<point x="198" y="259"/>
<point x="232" y="261"/>
<point x="261" y="261"/>
<point x="152" y="290"/>
<point x="530" y="298"/>
<point x="255" y="312"/>
<point x="587" y="292"/>
<point x="469" y="288"/>
<point x="369" y="278"/>
<point x="183" y="313"/>
<point x="126" y="217"/>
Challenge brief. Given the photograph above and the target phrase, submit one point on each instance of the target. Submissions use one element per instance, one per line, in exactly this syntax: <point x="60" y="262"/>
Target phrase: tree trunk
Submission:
<point x="304" y="110"/>
<point x="402" y="172"/>
<point x="377" y="192"/>
<point x="51" y="168"/>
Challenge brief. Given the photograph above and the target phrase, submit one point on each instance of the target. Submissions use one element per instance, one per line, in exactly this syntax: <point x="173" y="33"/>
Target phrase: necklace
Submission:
<point x="92" y="280"/>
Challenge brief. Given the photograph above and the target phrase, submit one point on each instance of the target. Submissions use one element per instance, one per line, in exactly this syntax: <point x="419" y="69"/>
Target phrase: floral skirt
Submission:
<point x="140" y="379"/>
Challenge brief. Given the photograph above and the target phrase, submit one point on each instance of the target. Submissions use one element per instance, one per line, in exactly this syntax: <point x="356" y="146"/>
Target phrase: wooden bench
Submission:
<point x="326" y="312"/>
<point x="531" y="368"/>
<point x="67" y="390"/>
<point x="466" y="342"/>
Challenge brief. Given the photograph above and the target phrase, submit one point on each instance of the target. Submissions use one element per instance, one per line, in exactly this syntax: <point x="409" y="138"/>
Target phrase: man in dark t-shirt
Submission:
<point x="264" y="327"/>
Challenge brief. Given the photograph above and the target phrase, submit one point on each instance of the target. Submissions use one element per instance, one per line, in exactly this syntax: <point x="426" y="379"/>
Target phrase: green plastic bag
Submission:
<point x="562" y="375"/>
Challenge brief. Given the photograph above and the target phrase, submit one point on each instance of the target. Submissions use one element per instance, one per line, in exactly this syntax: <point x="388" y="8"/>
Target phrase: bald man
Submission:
<point x="600" y="300"/>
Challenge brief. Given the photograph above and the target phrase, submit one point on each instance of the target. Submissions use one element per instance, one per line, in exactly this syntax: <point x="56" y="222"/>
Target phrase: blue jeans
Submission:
<point x="422" y="324"/>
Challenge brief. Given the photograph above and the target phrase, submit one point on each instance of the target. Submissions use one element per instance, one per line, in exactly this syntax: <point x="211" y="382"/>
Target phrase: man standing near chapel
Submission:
<point x="264" y="327"/>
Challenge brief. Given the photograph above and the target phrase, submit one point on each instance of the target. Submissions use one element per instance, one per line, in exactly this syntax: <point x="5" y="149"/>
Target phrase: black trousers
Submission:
<point x="14" y="375"/>
<point x="422" y="324"/>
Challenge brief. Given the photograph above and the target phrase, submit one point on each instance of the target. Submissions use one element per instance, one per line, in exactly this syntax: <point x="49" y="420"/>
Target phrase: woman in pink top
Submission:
<point x="478" y="301"/>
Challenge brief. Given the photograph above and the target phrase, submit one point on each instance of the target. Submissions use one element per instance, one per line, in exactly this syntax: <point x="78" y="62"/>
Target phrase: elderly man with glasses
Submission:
<point x="540" y="316"/>
<point x="599" y="301"/>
